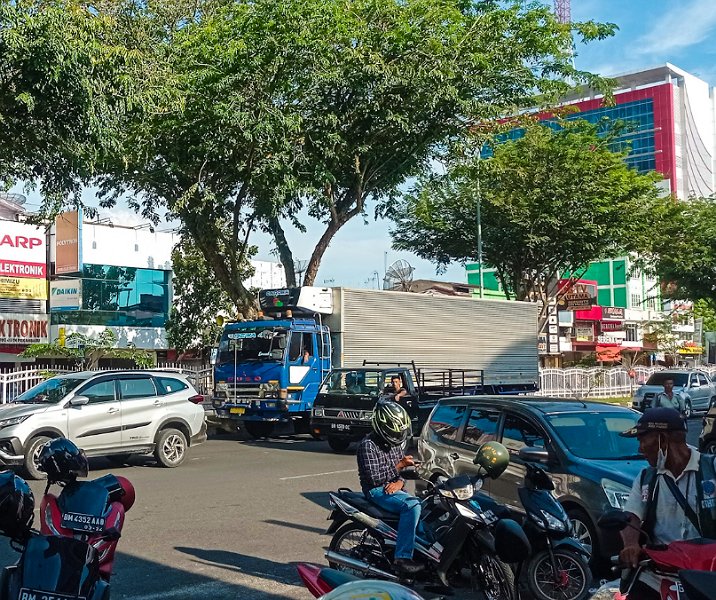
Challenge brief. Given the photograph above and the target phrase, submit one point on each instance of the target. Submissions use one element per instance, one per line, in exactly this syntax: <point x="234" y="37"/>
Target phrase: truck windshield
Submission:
<point x="352" y="382"/>
<point x="252" y="344"/>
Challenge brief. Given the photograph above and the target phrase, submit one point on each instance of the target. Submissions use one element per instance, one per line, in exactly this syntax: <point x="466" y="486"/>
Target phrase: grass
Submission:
<point x="624" y="401"/>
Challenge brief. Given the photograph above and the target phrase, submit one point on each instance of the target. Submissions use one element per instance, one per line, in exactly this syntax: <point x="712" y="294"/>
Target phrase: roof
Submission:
<point x="88" y="374"/>
<point x="543" y="404"/>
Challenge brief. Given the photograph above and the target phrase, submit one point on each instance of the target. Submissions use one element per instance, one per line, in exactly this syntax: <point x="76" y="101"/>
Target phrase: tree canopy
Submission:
<point x="552" y="201"/>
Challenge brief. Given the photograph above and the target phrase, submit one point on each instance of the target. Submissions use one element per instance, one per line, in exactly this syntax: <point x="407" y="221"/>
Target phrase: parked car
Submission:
<point x="592" y="467"/>
<point x="106" y="413"/>
<point x="707" y="439"/>
<point x="698" y="390"/>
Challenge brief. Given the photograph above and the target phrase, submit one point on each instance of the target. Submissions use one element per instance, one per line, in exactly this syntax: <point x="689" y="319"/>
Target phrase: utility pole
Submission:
<point x="479" y="224"/>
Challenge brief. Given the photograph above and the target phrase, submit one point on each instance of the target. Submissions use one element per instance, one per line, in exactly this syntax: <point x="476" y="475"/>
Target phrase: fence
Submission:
<point x="596" y="382"/>
<point x="15" y="382"/>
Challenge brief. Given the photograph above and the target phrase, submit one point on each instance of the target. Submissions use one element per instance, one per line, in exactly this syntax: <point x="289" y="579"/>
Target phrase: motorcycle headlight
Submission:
<point x="467" y="513"/>
<point x="553" y="522"/>
<point x="617" y="493"/>
<point x="463" y="493"/>
<point x="13" y="421"/>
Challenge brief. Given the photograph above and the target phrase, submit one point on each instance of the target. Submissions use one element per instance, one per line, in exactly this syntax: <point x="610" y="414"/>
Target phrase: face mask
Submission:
<point x="661" y="457"/>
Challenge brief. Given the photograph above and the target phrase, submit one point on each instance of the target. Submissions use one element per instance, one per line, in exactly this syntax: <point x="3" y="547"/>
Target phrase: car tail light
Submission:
<point x="198" y="399"/>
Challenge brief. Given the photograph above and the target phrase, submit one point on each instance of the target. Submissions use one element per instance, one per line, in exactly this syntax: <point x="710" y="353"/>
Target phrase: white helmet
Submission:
<point x="370" y="589"/>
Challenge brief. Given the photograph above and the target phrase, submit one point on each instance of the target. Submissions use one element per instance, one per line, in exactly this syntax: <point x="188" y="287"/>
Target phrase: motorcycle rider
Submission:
<point x="380" y="460"/>
<point x="672" y="499"/>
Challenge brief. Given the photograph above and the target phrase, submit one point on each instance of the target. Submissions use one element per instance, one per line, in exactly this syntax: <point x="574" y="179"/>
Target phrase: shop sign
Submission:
<point x="65" y="295"/>
<point x="23" y="329"/>
<point x="548" y="343"/>
<point x="579" y="297"/>
<point x="614" y="313"/>
<point x="26" y="289"/>
<point x="609" y="339"/>
<point x="22" y="250"/>
<point x="607" y="326"/>
<point x="584" y="333"/>
<point x="68" y="242"/>
<point x="692" y="350"/>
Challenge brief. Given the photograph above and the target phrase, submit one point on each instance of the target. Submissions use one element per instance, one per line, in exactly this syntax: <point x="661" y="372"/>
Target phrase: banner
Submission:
<point x="26" y="289"/>
<point x="68" y="242"/>
<point x="23" y="252"/>
<point x="613" y="313"/>
<point x="65" y="295"/>
<point x="23" y="329"/>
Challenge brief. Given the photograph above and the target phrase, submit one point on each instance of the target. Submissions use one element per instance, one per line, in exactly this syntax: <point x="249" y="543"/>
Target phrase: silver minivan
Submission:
<point x="698" y="390"/>
<point x="106" y="413"/>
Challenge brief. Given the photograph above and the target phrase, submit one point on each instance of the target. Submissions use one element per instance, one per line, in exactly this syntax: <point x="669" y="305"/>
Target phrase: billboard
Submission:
<point x="23" y="252"/>
<point x="68" y="242"/>
<point x="22" y="288"/>
<point x="23" y="329"/>
<point x="65" y="295"/>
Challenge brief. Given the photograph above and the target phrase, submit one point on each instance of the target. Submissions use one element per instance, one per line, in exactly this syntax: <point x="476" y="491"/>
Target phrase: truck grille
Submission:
<point x="336" y="413"/>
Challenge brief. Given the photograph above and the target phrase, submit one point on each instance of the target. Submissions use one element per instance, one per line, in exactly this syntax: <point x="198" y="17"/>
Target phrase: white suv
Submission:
<point x="106" y="413"/>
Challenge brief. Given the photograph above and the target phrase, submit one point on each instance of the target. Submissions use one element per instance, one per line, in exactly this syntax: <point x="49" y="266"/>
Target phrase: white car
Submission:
<point x="106" y="413"/>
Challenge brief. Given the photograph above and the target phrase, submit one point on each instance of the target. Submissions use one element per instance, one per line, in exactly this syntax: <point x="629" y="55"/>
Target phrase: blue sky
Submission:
<point x="651" y="32"/>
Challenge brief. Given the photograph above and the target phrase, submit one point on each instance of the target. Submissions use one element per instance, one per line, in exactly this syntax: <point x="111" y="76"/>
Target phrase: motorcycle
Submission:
<point x="699" y="585"/>
<point x="455" y="533"/>
<point x="662" y="563"/>
<point x="320" y="581"/>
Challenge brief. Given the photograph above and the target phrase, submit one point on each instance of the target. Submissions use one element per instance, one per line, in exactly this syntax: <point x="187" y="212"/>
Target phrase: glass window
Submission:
<point x="679" y="379"/>
<point x="50" y="391"/>
<point x="703" y="380"/>
<point x="519" y="433"/>
<point x="446" y="421"/>
<point x="325" y="348"/>
<point x="481" y="427"/>
<point x="137" y="388"/>
<point x="294" y="348"/>
<point x="596" y="435"/>
<point x="101" y="391"/>
<point x="169" y="385"/>
<point x="352" y="382"/>
<point x="245" y="344"/>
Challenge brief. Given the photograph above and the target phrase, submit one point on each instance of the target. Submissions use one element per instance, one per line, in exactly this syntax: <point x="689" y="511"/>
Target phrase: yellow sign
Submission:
<point x="237" y="411"/>
<point x="690" y="350"/>
<point x="20" y="287"/>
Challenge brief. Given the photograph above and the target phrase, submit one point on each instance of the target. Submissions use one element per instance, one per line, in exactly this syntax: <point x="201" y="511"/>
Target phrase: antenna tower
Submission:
<point x="563" y="10"/>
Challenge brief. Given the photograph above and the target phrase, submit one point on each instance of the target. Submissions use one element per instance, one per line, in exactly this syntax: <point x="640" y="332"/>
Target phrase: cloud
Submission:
<point x="683" y="25"/>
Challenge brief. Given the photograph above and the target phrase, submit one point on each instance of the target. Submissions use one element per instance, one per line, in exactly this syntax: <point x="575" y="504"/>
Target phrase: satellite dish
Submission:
<point x="399" y="276"/>
<point x="18" y="199"/>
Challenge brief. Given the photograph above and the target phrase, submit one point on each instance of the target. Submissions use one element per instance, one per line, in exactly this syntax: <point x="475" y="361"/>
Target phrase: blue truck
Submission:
<point x="268" y="371"/>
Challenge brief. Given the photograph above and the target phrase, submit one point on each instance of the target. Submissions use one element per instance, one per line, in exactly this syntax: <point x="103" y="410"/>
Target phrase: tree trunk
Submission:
<point x="284" y="250"/>
<point x="320" y="249"/>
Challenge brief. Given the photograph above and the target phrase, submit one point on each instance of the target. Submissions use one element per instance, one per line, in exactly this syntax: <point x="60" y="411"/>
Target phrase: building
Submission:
<point x="672" y="130"/>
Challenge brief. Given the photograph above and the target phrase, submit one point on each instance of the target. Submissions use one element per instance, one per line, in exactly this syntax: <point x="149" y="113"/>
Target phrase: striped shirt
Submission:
<point x="377" y="464"/>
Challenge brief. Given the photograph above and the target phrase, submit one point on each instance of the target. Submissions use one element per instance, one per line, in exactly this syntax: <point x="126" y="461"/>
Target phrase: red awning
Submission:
<point x="609" y="353"/>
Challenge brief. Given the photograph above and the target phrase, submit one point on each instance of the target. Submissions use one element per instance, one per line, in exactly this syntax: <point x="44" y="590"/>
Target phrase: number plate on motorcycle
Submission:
<point x="80" y="522"/>
<point x="28" y="594"/>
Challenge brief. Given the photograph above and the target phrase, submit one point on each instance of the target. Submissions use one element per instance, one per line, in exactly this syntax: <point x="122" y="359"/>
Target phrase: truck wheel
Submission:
<point x="258" y="430"/>
<point x="32" y="453"/>
<point x="338" y="444"/>
<point x="170" y="449"/>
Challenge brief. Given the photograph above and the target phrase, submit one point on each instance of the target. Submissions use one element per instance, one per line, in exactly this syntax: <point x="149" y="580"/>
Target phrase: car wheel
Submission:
<point x="709" y="447"/>
<point x="584" y="531"/>
<point x="171" y="447"/>
<point x="688" y="412"/>
<point x="32" y="453"/>
<point x="338" y="444"/>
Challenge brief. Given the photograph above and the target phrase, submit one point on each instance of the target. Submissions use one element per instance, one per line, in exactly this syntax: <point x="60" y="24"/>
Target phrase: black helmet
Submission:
<point x="17" y="506"/>
<point x="391" y="423"/>
<point x="62" y="461"/>
<point x="493" y="458"/>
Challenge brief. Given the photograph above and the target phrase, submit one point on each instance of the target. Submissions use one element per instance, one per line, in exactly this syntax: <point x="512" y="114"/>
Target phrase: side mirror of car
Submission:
<point x="532" y="454"/>
<point x="79" y="401"/>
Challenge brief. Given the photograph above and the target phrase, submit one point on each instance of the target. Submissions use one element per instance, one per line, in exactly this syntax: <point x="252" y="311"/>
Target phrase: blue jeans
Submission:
<point x="408" y="507"/>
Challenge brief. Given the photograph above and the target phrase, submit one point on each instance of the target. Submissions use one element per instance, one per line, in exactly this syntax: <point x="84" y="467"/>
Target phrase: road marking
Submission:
<point x="318" y="474"/>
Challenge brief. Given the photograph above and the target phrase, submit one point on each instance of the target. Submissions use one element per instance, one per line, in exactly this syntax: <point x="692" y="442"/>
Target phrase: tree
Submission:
<point x="199" y="300"/>
<point x="706" y="310"/>
<point x="65" y="82"/>
<point x="552" y="201"/>
<point x="87" y="351"/>
<point x="323" y="105"/>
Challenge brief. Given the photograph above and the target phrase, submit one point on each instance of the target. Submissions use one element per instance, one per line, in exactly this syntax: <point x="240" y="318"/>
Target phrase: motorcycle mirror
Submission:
<point x="614" y="520"/>
<point x="409" y="473"/>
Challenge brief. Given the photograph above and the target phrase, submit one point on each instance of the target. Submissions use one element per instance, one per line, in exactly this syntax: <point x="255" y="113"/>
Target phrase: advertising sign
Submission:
<point x="582" y="295"/>
<point x="612" y="326"/>
<point x="26" y="289"/>
<point x="23" y="329"/>
<point x="584" y="332"/>
<point x="23" y="251"/>
<point x="68" y="242"/>
<point x="65" y="295"/>
<point x="613" y="313"/>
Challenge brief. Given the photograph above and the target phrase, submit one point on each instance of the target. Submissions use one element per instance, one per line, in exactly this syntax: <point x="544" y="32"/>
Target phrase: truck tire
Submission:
<point x="258" y="430"/>
<point x="338" y="444"/>
<point x="32" y="451"/>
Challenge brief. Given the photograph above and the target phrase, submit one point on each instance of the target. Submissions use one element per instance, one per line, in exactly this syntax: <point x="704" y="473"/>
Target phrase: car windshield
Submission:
<point x="50" y="391"/>
<point x="595" y="435"/>
<point x="352" y="382"/>
<point x="252" y="344"/>
<point x="659" y="378"/>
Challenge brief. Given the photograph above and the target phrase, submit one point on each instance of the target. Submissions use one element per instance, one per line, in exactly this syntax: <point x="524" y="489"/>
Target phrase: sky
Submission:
<point x="651" y="33"/>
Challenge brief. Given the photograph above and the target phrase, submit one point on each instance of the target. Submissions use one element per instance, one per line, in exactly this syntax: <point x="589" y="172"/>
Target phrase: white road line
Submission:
<point x="317" y="474"/>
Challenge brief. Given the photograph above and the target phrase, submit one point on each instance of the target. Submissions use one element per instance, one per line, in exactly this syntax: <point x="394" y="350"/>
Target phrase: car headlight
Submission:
<point x="318" y="412"/>
<point x="467" y="513"/>
<point x="366" y="415"/>
<point x="13" y="421"/>
<point x="617" y="493"/>
<point x="222" y="386"/>
<point x="463" y="493"/>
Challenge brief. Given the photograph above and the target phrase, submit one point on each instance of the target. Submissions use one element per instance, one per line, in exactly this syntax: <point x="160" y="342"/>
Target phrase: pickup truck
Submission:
<point x="344" y="405"/>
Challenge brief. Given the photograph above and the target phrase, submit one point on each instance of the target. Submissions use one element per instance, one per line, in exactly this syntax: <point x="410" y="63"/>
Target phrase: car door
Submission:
<point x="142" y="408"/>
<point x="98" y="424"/>
<point x="517" y="432"/>
<point x="481" y="426"/>
<point x="704" y="392"/>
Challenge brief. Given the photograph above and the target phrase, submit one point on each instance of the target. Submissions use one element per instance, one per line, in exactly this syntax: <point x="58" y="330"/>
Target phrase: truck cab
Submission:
<point x="267" y="372"/>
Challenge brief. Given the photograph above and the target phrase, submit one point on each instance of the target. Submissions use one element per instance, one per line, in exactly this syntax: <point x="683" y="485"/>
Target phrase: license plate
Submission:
<point x="28" y="594"/>
<point x="237" y="411"/>
<point x="80" y="522"/>
<point x="340" y="426"/>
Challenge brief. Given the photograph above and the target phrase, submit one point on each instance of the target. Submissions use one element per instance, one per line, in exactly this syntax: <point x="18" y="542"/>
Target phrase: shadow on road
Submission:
<point x="296" y="443"/>
<point x="299" y="526"/>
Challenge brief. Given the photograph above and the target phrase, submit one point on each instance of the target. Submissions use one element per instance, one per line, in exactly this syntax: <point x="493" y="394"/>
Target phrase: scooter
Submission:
<point x="321" y="580"/>
<point x="456" y="534"/>
<point x="662" y="563"/>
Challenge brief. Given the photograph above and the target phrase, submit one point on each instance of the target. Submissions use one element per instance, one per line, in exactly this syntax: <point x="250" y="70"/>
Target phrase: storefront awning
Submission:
<point x="609" y="353"/>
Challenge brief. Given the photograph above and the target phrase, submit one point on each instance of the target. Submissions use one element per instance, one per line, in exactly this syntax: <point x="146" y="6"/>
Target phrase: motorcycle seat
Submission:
<point x="358" y="500"/>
